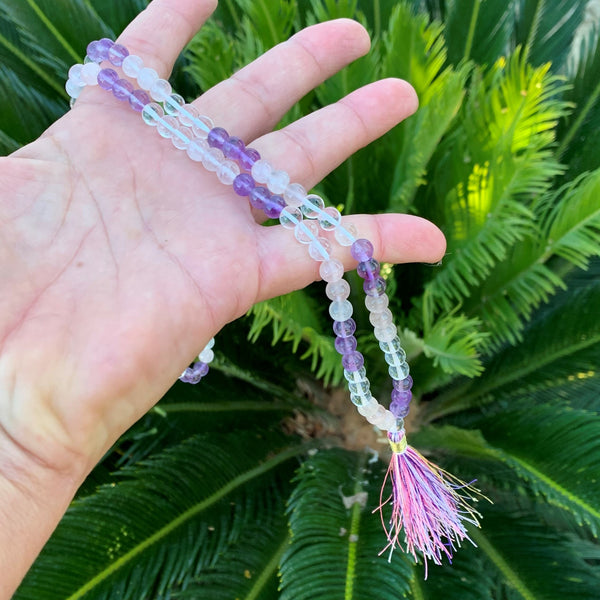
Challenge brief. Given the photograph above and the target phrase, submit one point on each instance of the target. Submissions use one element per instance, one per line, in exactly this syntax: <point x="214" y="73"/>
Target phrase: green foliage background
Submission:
<point x="235" y="489"/>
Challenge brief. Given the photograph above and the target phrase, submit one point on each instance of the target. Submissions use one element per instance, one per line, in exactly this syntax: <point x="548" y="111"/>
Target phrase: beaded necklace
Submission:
<point x="428" y="504"/>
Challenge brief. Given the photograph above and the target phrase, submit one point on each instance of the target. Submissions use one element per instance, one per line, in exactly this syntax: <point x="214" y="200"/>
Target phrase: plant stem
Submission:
<point x="268" y="571"/>
<point x="471" y="33"/>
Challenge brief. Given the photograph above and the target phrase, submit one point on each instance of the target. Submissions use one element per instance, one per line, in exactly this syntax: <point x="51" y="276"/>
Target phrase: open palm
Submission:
<point x="123" y="257"/>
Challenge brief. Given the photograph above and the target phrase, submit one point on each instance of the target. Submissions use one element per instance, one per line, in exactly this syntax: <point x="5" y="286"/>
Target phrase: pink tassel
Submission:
<point x="426" y="504"/>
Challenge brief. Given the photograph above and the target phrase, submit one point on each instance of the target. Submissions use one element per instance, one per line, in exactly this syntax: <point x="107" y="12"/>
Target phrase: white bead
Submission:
<point x="132" y="65"/>
<point x="210" y="344"/>
<point x="160" y="90"/>
<point x="294" y="194"/>
<point x="261" y="170"/>
<point x="330" y="270"/>
<point x="196" y="149"/>
<point x="376" y="417"/>
<point x="316" y="252"/>
<point x="337" y="290"/>
<point x="331" y="219"/>
<point x="381" y="319"/>
<point x="202" y="125"/>
<point x="75" y="73"/>
<point x="289" y="216"/>
<point x="305" y="232"/>
<point x="346" y="236"/>
<point x="146" y="77"/>
<point x="206" y="356"/>
<point x="366" y="410"/>
<point x="212" y="159"/>
<point x="312" y="205"/>
<point x="228" y="170"/>
<point x="340" y="310"/>
<point x="388" y="423"/>
<point x="73" y="88"/>
<point x="278" y="181"/>
<point x="385" y="334"/>
<point x="89" y="73"/>
<point x="187" y="120"/>
<point x="377" y="303"/>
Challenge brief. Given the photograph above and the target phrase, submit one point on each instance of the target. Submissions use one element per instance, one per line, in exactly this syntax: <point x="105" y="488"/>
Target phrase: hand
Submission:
<point x="121" y="257"/>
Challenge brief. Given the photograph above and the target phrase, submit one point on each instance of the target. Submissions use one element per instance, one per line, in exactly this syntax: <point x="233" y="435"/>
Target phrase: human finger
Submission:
<point x="396" y="238"/>
<point x="253" y="100"/>
<point x="163" y="28"/>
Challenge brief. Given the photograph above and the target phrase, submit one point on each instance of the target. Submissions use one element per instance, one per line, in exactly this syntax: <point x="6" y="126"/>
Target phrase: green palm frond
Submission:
<point x="293" y="318"/>
<point x="335" y="538"/>
<point x="164" y="521"/>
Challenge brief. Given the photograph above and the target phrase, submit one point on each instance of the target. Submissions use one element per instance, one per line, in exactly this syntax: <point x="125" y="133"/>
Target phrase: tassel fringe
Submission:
<point x="428" y="504"/>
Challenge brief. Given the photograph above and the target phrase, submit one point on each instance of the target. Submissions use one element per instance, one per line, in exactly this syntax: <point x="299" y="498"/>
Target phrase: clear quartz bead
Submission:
<point x="391" y="346"/>
<point x="210" y="344"/>
<point x="294" y="194"/>
<point x="202" y="125"/>
<point x="315" y="249"/>
<point x="361" y="399"/>
<point x="187" y="118"/>
<point x="331" y="219"/>
<point x="337" y="290"/>
<point x="261" y="171"/>
<point x="399" y="372"/>
<point x="346" y="236"/>
<point x="132" y="65"/>
<point x="361" y="388"/>
<point x="166" y="126"/>
<point x="180" y="140"/>
<point x="289" y="216"/>
<point x="196" y="149"/>
<point x="330" y="270"/>
<point x="277" y="181"/>
<point x="228" y="170"/>
<point x="395" y="358"/>
<point x="381" y="319"/>
<point x="146" y="77"/>
<point x="305" y="232"/>
<point x="377" y="303"/>
<point x="358" y="375"/>
<point x="160" y="90"/>
<point x="385" y="334"/>
<point x="172" y="103"/>
<point x="340" y="310"/>
<point x="151" y="113"/>
<point x="312" y="205"/>
<point x="212" y="159"/>
<point x="206" y="356"/>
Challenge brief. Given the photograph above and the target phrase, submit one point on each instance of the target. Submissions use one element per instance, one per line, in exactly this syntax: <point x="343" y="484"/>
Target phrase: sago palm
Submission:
<point x="260" y="482"/>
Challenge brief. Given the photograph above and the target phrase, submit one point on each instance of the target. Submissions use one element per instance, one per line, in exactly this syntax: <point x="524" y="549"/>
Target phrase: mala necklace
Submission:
<point x="428" y="505"/>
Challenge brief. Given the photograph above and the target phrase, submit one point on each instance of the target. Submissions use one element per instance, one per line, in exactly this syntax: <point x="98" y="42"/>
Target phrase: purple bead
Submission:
<point x="107" y="78"/>
<point x="345" y="345"/>
<point x="247" y="158"/>
<point x="138" y="99"/>
<point x="233" y="147"/>
<point x="368" y="269"/>
<point x="122" y="89"/>
<point x="353" y="361"/>
<point x="374" y="287"/>
<point x="200" y="368"/>
<point x="361" y="250"/>
<point x="399" y="410"/>
<point x="274" y="206"/>
<point x="259" y="196"/>
<point x="402" y="396"/>
<point x="403" y="384"/>
<point x="98" y="51"/>
<point x="243" y="184"/>
<point x="217" y="136"/>
<point x="117" y="53"/>
<point x="344" y="328"/>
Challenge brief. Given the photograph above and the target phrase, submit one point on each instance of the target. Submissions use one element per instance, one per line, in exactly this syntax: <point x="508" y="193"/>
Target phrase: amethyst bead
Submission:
<point x="259" y="196"/>
<point x="243" y="184"/>
<point x="107" y="78"/>
<point x="374" y="287"/>
<point x="368" y="269"/>
<point x="117" y="53"/>
<point x="345" y="345"/>
<point x="344" y="328"/>
<point x="138" y="99"/>
<point x="200" y="368"/>
<point x="403" y="384"/>
<point x="98" y="51"/>
<point x="399" y="410"/>
<point x="233" y="147"/>
<point x="361" y="250"/>
<point x="217" y="136"/>
<point x="122" y="89"/>
<point x="273" y="207"/>
<point x="247" y="158"/>
<point x="353" y="361"/>
<point x="402" y="396"/>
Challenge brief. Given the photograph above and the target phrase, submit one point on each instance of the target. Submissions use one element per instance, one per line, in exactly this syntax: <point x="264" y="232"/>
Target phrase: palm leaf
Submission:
<point x="163" y="522"/>
<point x="335" y="540"/>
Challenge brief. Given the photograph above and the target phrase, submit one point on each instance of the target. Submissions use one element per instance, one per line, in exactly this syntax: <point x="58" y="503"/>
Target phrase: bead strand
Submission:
<point x="199" y="369"/>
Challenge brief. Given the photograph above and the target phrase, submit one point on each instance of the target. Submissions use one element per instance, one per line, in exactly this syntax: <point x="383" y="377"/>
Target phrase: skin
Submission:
<point x="114" y="274"/>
